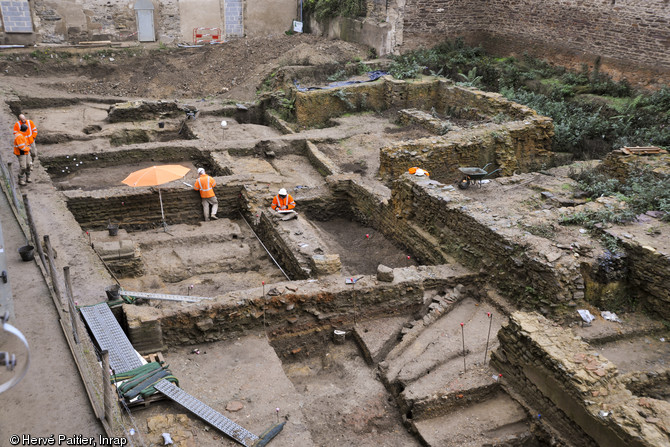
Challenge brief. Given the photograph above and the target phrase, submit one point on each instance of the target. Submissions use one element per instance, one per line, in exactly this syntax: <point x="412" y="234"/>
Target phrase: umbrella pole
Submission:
<point x="160" y="197"/>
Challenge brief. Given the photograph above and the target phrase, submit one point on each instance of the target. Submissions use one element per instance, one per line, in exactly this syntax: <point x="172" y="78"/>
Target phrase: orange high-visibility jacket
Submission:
<point x="286" y="204"/>
<point x="205" y="184"/>
<point x="413" y="169"/>
<point x="30" y="134"/>
<point x="20" y="144"/>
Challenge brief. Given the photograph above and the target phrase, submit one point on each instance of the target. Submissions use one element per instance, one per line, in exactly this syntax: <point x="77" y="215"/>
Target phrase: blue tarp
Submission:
<point x="372" y="76"/>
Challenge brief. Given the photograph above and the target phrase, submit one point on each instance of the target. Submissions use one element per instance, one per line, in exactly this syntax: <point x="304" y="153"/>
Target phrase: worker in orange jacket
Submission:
<point x="22" y="152"/>
<point x="30" y="133"/>
<point x="205" y="184"/>
<point x="283" y="201"/>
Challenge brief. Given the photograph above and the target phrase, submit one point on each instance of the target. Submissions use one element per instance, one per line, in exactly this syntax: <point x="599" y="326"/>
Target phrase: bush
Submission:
<point x="582" y="126"/>
<point x="328" y="9"/>
<point x="643" y="191"/>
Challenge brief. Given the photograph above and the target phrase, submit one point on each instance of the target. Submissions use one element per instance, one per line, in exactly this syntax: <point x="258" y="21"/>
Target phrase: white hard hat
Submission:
<point x="282" y="192"/>
<point x="420" y="172"/>
<point x="201" y="171"/>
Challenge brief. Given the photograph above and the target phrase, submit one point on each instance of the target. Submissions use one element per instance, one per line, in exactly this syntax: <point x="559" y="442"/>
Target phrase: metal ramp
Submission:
<point x="111" y="338"/>
<point x="206" y="413"/>
<point x="122" y="358"/>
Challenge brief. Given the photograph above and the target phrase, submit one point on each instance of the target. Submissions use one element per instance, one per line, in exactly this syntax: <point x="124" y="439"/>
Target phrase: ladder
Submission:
<point x="206" y="413"/>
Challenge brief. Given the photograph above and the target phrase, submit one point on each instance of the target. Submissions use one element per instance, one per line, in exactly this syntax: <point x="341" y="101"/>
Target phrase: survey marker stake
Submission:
<point x="463" y="337"/>
<point x="490" y="315"/>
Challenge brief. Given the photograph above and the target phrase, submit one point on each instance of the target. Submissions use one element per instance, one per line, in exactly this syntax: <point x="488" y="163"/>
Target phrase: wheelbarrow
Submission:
<point x="474" y="176"/>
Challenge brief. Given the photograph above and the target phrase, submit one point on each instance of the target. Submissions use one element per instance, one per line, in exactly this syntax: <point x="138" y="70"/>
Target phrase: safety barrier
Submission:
<point x="206" y="35"/>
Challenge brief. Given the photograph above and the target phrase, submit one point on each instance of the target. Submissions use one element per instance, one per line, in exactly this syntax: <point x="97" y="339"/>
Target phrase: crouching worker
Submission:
<point x="22" y="152"/>
<point x="205" y="184"/>
<point x="283" y="203"/>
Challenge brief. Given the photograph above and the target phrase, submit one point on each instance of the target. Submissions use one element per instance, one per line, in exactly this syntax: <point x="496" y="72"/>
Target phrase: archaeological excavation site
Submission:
<point x="448" y="276"/>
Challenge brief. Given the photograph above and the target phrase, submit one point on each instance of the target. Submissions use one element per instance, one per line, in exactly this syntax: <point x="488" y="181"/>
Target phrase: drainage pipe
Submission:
<point x="264" y="247"/>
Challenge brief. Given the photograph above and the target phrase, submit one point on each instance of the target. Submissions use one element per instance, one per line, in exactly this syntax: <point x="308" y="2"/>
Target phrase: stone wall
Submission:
<point x="140" y="208"/>
<point x="516" y="147"/>
<point x="72" y="21"/>
<point x="621" y="166"/>
<point x="577" y="393"/>
<point x="301" y="308"/>
<point x="521" y="143"/>
<point x="314" y="108"/>
<point x="510" y="263"/>
<point x="649" y="277"/>
<point x="373" y="208"/>
<point x="631" y="31"/>
<point x="280" y="249"/>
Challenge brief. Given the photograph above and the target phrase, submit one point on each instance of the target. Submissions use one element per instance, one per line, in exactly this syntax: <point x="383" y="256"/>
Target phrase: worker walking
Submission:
<point x="22" y="151"/>
<point x="30" y="133"/>
<point x="283" y="201"/>
<point x="205" y="184"/>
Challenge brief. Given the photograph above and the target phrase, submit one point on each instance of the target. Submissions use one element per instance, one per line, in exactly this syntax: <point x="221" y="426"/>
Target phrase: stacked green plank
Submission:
<point x="141" y="380"/>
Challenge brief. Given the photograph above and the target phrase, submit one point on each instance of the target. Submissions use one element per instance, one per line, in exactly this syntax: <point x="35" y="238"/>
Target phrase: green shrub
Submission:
<point x="328" y="9"/>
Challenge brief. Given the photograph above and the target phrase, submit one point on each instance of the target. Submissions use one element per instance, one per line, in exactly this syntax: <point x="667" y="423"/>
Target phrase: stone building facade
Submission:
<point x="74" y="21"/>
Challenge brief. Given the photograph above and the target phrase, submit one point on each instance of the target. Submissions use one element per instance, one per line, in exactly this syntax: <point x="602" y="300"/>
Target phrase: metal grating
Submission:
<point x="110" y="337"/>
<point x="209" y="415"/>
<point x="16" y="16"/>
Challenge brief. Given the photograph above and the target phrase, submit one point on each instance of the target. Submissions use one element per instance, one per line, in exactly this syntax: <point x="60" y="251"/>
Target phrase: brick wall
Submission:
<point x="140" y="208"/>
<point x="636" y="31"/>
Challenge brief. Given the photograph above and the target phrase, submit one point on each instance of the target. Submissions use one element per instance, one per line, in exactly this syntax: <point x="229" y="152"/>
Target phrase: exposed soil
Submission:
<point x="361" y="248"/>
<point x="231" y="70"/>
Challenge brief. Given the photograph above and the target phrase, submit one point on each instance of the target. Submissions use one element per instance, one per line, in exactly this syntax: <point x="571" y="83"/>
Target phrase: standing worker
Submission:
<point x="205" y="184"/>
<point x="22" y="151"/>
<point x="30" y="133"/>
<point x="283" y="201"/>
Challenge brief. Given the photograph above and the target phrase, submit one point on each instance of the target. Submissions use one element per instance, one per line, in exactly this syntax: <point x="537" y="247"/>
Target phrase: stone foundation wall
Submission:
<point x="621" y="166"/>
<point x="516" y="147"/>
<point x="374" y="209"/>
<point x="649" y="277"/>
<point x="578" y="394"/>
<point x="140" y="208"/>
<point x="315" y="108"/>
<point x="302" y="308"/>
<point x="281" y="251"/>
<point x="509" y="262"/>
<point x="634" y="31"/>
<point x="521" y="144"/>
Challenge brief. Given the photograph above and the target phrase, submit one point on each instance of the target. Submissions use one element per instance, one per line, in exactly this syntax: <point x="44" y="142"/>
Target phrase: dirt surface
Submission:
<point x="231" y="70"/>
<point x="51" y="386"/>
<point x="361" y="248"/>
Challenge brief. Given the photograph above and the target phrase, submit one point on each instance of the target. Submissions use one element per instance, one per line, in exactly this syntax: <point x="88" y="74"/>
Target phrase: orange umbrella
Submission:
<point x="154" y="176"/>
